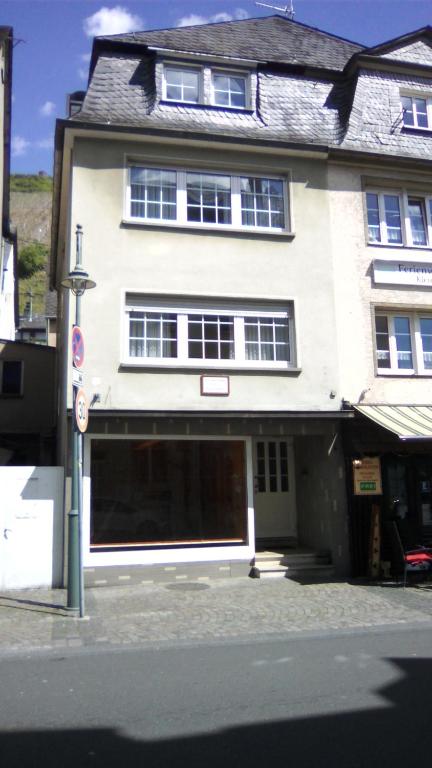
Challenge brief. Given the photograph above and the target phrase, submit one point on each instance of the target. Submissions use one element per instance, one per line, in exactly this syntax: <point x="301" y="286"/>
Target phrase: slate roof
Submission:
<point x="359" y="110"/>
<point x="270" y="38"/>
<point x="291" y="108"/>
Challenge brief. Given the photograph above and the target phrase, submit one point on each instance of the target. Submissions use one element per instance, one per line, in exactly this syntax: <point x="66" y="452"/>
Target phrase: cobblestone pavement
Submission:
<point x="204" y="611"/>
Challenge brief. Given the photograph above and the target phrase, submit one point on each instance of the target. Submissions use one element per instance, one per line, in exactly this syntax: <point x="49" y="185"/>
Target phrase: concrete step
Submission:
<point x="302" y="564"/>
<point x="312" y="573"/>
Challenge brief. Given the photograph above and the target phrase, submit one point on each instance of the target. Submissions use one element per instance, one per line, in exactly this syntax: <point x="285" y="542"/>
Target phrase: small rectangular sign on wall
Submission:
<point x="215" y="385"/>
<point x="367" y="476"/>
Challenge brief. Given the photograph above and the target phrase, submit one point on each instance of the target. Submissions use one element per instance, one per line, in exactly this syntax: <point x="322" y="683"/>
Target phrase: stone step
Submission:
<point x="314" y="573"/>
<point x="299" y="559"/>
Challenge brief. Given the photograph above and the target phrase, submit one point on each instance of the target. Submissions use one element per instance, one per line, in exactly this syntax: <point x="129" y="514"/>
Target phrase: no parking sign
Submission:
<point x="77" y="347"/>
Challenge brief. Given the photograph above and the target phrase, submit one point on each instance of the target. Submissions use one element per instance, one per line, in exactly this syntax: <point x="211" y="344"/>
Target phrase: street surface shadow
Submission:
<point x="395" y="732"/>
<point x="32" y="605"/>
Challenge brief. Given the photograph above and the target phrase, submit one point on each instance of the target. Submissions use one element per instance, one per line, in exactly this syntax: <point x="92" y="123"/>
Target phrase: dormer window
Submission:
<point x="416" y="112"/>
<point x="229" y="90"/>
<point x="182" y="84"/>
<point x="206" y="85"/>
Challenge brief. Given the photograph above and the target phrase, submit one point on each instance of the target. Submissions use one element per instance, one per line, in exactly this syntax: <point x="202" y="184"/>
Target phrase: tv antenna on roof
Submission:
<point x="288" y="10"/>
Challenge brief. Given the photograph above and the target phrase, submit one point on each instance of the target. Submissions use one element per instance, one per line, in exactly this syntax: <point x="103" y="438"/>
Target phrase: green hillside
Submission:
<point x="30" y="183"/>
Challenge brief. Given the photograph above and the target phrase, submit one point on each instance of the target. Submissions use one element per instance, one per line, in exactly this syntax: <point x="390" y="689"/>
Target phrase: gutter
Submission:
<point x="178" y="414"/>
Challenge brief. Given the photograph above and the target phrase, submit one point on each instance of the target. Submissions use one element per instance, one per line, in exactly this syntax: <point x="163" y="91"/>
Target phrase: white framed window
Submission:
<point x="417" y="111"/>
<point x="208" y="335"/>
<point x="182" y="84"/>
<point x="403" y="343"/>
<point x="153" y="194"/>
<point x="204" y="199"/>
<point x="399" y="217"/>
<point x="262" y="202"/>
<point x="11" y="377"/>
<point x="208" y="198"/>
<point x="230" y="89"/>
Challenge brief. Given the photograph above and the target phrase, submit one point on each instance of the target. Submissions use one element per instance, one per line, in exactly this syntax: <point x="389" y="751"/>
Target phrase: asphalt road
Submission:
<point x="352" y="699"/>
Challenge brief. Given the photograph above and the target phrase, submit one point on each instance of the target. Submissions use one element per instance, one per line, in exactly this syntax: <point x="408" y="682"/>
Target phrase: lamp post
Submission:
<point x="77" y="282"/>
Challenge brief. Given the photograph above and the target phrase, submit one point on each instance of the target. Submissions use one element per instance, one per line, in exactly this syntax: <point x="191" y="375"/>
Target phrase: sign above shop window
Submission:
<point x="403" y="272"/>
<point x="367" y="476"/>
<point x="215" y="385"/>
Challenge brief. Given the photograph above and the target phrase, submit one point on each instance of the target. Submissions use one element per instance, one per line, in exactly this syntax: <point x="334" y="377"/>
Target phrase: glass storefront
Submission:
<point x="153" y="492"/>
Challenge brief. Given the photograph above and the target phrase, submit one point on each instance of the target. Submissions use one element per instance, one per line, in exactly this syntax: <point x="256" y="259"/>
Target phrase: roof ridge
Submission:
<point x="233" y="21"/>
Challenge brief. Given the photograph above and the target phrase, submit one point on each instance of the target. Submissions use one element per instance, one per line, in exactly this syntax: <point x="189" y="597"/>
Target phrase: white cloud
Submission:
<point x="194" y="18"/>
<point x="111" y="21"/>
<point x="47" y="109"/>
<point x="84" y="58"/>
<point x="44" y="144"/>
<point x="19" y="146"/>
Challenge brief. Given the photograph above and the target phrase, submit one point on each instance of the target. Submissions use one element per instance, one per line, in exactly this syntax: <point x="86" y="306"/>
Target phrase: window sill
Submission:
<point x="202" y="106"/>
<point x="404" y="374"/>
<point x="402" y="246"/>
<point x="214" y="228"/>
<point x="414" y="129"/>
<point x="202" y="365"/>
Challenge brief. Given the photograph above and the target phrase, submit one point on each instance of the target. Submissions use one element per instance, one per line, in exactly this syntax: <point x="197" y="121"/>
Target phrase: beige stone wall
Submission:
<point x="158" y="260"/>
<point x="357" y="294"/>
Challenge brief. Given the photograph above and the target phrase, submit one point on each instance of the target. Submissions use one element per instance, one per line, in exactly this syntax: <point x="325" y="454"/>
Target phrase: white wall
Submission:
<point x="31" y="527"/>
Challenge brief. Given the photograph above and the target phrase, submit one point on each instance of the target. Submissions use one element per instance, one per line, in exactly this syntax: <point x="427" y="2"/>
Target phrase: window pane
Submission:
<point x="229" y="90"/>
<point x="262" y="202"/>
<point x="266" y="338"/>
<point x="392" y="218"/>
<point x="407" y="110"/>
<point x="426" y="338"/>
<point x="217" y="333"/>
<point x="11" y="377"/>
<point x="147" y="491"/>
<point x="421" y="113"/>
<point x="208" y="198"/>
<point x="374" y="232"/>
<point x="182" y="84"/>
<point x="150" y="187"/>
<point x="382" y="342"/>
<point x="152" y="334"/>
<point x="416" y="215"/>
<point x="403" y="342"/>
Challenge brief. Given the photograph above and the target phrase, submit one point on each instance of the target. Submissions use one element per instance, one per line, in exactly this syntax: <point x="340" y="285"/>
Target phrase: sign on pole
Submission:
<point x="81" y="411"/>
<point x="77" y="347"/>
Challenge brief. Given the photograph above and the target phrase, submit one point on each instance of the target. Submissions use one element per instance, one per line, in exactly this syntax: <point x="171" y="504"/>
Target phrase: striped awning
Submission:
<point x="409" y="422"/>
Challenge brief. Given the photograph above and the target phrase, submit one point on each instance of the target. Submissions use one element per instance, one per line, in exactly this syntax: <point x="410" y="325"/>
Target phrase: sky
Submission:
<point x="53" y="40"/>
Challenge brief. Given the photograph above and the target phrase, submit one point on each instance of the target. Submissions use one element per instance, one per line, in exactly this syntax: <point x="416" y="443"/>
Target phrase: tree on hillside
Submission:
<point x="32" y="258"/>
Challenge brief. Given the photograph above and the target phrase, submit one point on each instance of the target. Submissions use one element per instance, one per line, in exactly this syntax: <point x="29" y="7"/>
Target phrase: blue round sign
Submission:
<point x="77" y="347"/>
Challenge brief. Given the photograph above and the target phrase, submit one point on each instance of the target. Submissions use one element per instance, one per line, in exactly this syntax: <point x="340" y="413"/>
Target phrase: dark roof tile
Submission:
<point x="270" y="38"/>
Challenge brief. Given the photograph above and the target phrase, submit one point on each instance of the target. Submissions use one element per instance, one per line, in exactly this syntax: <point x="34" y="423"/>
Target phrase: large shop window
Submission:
<point x="403" y="343"/>
<point x="256" y="336"/>
<point x="399" y="218"/>
<point x="221" y="200"/>
<point x="167" y="492"/>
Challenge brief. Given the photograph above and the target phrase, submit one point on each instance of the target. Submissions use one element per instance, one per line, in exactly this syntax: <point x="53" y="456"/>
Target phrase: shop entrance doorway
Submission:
<point x="274" y="489"/>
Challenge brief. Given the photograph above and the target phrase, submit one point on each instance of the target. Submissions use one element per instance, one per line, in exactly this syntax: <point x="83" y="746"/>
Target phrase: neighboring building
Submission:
<point x="221" y="174"/>
<point x="380" y="183"/>
<point x="8" y="245"/>
<point x="39" y="328"/>
<point x="27" y="404"/>
<point x="27" y="373"/>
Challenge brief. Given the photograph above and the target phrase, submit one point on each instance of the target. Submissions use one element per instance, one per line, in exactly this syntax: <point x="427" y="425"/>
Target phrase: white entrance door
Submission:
<point x="274" y="486"/>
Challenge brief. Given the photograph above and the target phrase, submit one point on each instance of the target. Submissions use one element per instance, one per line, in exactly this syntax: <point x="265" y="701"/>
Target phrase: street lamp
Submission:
<point x="77" y="282"/>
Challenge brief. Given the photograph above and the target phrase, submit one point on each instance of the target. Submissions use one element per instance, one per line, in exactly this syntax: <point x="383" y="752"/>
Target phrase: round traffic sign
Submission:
<point x="77" y="346"/>
<point x="81" y="410"/>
